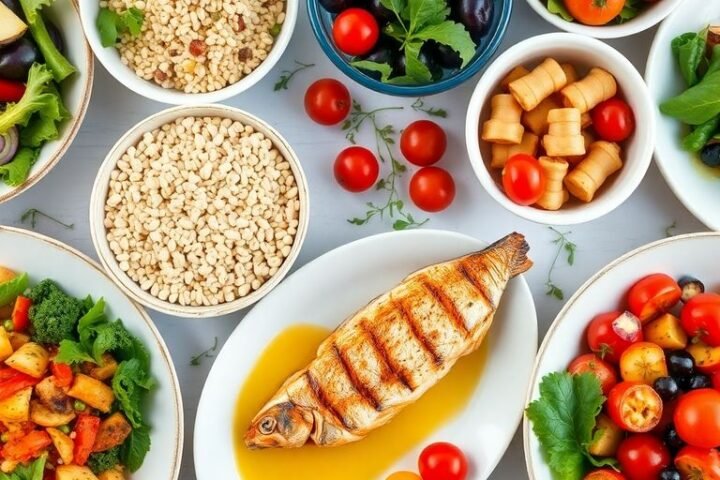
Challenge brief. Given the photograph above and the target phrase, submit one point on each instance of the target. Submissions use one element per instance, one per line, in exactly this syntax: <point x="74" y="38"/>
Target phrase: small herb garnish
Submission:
<point x="563" y="243"/>
<point x="670" y="229"/>
<point x="419" y="106"/>
<point x="394" y="207"/>
<point x="287" y="75"/>
<point x="112" y="24"/>
<point x="32" y="214"/>
<point x="209" y="353"/>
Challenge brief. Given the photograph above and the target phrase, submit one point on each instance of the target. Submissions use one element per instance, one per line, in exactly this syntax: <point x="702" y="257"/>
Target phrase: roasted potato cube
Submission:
<point x="52" y="396"/>
<point x="63" y="444"/>
<point x="6" y="348"/>
<point x="107" y="370"/>
<point x="666" y="332"/>
<point x="93" y="392"/>
<point x="18" y="339"/>
<point x="45" y="417"/>
<point x="112" y="474"/>
<point x="17" y="407"/>
<point x="113" y="432"/>
<point x="31" y="359"/>
<point x="74" y="472"/>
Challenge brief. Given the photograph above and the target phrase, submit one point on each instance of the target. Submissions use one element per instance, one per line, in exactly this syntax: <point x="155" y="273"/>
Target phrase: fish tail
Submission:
<point x="516" y="242"/>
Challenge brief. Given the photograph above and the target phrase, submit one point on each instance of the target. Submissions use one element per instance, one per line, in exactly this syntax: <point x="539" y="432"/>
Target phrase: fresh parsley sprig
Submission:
<point x="112" y="24"/>
<point x="31" y="215"/>
<point x="286" y="75"/>
<point x="209" y="353"/>
<point x="564" y="244"/>
<point x="419" y="106"/>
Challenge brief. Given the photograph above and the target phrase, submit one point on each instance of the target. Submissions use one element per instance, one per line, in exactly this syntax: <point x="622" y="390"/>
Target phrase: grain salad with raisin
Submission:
<point x="193" y="46"/>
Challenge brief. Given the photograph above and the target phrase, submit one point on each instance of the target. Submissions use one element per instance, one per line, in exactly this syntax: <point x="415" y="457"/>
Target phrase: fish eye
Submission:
<point x="267" y="425"/>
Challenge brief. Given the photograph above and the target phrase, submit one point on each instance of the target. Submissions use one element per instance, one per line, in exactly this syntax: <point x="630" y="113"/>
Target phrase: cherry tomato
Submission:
<point x="700" y="318"/>
<point x="523" y="179"/>
<point x="11" y="91"/>
<point x="356" y="169"/>
<point x="653" y="295"/>
<point x="604" y="474"/>
<point x="610" y="334"/>
<point x="643" y="457"/>
<point x="432" y="189"/>
<point x="594" y="12"/>
<point x="423" y="143"/>
<point x="697" y="418"/>
<point x="442" y="461"/>
<point x="355" y="31"/>
<point x="590" y="363"/>
<point x="327" y="101"/>
<point x="715" y="377"/>
<point x="698" y="463"/>
<point x="634" y="407"/>
<point x="404" y="476"/>
<point x="613" y="120"/>
<point x="643" y="362"/>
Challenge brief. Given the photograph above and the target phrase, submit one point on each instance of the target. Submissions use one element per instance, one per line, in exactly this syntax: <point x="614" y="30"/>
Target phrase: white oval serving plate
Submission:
<point x="327" y="290"/>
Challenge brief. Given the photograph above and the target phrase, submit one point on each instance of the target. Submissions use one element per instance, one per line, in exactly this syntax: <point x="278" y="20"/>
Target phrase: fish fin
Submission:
<point x="520" y="262"/>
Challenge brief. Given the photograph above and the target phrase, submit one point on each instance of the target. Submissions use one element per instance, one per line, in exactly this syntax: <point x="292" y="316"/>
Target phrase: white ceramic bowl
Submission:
<point x="580" y="50"/>
<point x="110" y="58"/>
<point x="42" y="257"/>
<point x="75" y="92"/>
<point x="605" y="291"/>
<point x="100" y="190"/>
<point x="692" y="183"/>
<point x="653" y="15"/>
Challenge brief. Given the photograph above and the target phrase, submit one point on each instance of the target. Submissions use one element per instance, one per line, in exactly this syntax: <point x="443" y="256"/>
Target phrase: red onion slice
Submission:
<point x="8" y="145"/>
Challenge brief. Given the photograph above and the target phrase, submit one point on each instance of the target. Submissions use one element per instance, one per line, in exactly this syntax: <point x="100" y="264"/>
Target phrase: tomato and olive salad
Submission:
<point x="598" y="12"/>
<point x="698" y="107"/>
<point x="72" y="385"/>
<point x="32" y="69"/>
<point x="644" y="403"/>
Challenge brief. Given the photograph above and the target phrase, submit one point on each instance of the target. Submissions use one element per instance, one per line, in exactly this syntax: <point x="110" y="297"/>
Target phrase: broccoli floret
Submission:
<point x="102" y="461"/>
<point x="54" y="314"/>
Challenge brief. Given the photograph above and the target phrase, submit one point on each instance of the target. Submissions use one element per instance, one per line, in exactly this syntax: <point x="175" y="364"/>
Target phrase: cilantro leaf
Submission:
<point x="563" y="419"/>
<point x="135" y="448"/>
<point x="452" y="34"/>
<point x="71" y="352"/>
<point x="557" y="7"/>
<point x="17" y="171"/>
<point x="112" y="24"/>
<point x="12" y="288"/>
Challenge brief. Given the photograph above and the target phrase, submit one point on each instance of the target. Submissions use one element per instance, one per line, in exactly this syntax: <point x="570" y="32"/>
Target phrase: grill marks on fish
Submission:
<point x="406" y="315"/>
<point x="466" y="271"/>
<point x="380" y="347"/>
<point x="325" y="401"/>
<point x="447" y="304"/>
<point x="357" y="383"/>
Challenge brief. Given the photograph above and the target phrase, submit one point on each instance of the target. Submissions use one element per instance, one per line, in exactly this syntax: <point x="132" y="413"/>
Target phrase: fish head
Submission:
<point x="283" y="425"/>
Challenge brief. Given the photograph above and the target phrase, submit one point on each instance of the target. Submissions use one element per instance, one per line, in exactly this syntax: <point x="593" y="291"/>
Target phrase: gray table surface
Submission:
<point x="65" y="193"/>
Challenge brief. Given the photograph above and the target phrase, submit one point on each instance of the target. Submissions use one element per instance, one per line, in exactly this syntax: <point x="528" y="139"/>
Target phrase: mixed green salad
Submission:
<point x="32" y="68"/>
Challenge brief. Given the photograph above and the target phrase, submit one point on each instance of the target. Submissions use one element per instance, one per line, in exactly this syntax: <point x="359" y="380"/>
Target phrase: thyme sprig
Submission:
<point x="31" y="215"/>
<point x="209" y="353"/>
<point x="419" y="106"/>
<point x="284" y="81"/>
<point x="670" y="229"/>
<point x="564" y="244"/>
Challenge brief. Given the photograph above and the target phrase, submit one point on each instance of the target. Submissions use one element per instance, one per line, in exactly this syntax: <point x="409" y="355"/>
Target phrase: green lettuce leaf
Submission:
<point x="71" y="353"/>
<point x="60" y="66"/>
<point x="129" y="384"/>
<point x="135" y="448"/>
<point x="28" y="471"/>
<point x="36" y="98"/>
<point x="557" y="7"/>
<point x="17" y="171"/>
<point x="12" y="288"/>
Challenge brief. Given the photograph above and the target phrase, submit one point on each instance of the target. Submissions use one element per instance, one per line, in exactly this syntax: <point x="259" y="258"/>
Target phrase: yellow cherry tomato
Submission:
<point x="404" y="476"/>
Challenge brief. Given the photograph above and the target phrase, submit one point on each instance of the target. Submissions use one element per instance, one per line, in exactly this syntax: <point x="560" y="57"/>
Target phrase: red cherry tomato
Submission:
<point x="697" y="418"/>
<point x="700" y="318"/>
<point x="604" y="474"/>
<point x="523" y="179"/>
<point x="356" y="169"/>
<point x="634" y="406"/>
<point x="590" y="363"/>
<point x="327" y="101"/>
<point x="653" y="295"/>
<point x="423" y="143"/>
<point x="700" y="463"/>
<point x="643" y="457"/>
<point x="442" y="461"/>
<point x="11" y="91"/>
<point x="610" y="334"/>
<point x="715" y="377"/>
<point x="355" y="31"/>
<point x="432" y="189"/>
<point x="613" y="120"/>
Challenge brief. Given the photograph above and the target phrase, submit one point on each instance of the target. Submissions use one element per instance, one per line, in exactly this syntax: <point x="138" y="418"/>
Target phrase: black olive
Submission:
<point x="680" y="364"/>
<point x="691" y="286"/>
<point x="670" y="474"/>
<point x="476" y="15"/>
<point x="445" y="56"/>
<point x="381" y="14"/>
<point x="336" y="6"/>
<point x="672" y="439"/>
<point x="696" y="381"/>
<point x="14" y="5"/>
<point x="667" y="388"/>
<point x="17" y="58"/>
<point x="710" y="155"/>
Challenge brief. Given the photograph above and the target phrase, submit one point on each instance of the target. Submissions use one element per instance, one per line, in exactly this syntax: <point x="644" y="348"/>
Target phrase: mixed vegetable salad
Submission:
<point x="72" y="386"/>
<point x="598" y="12"/>
<point x="32" y="67"/>
<point x="698" y="107"/>
<point x="645" y="403"/>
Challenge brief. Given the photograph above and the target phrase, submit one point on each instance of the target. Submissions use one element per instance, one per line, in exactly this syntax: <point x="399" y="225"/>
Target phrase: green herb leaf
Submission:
<point x="452" y="34"/>
<point x="135" y="448"/>
<point x="714" y="64"/>
<point x="426" y="12"/>
<point x="419" y="106"/>
<point x="383" y="69"/>
<point x="415" y="69"/>
<point x="28" y="471"/>
<point x="10" y="290"/>
<point x="111" y="24"/>
<point x="630" y="10"/>
<point x="287" y="75"/>
<point x="689" y="50"/>
<point x="128" y="384"/>
<point x="697" y="104"/>
<point x="31" y="215"/>
<point x="399" y="7"/>
<point x="557" y="7"/>
<point x="72" y="353"/>
<point x="209" y="353"/>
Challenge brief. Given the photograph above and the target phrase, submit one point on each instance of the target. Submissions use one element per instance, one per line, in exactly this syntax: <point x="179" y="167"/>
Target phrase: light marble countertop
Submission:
<point x="65" y="193"/>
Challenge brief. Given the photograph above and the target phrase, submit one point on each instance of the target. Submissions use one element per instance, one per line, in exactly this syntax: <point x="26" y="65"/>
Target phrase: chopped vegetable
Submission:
<point x="10" y="289"/>
<point x="21" y="314"/>
<point x="691" y="286"/>
<point x="54" y="315"/>
<point x="26" y="447"/>
<point x="31" y="359"/>
<point x="11" y="91"/>
<point x="86" y="429"/>
<point x="30" y="471"/>
<point x="698" y="104"/>
<point x="112" y="25"/>
<point x="102" y="461"/>
<point x="11" y="27"/>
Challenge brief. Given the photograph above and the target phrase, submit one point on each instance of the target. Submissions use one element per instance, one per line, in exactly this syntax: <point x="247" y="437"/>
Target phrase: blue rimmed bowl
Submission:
<point x="322" y="21"/>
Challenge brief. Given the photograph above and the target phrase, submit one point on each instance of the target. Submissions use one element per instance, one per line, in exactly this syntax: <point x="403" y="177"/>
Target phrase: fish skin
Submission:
<point x="385" y="356"/>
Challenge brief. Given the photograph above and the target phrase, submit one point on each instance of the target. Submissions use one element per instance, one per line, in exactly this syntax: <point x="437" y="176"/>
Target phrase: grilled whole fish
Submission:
<point x="388" y="354"/>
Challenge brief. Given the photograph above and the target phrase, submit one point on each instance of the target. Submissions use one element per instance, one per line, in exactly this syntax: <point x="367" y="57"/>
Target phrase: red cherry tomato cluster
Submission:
<point x="438" y="461"/>
<point x="658" y="364"/>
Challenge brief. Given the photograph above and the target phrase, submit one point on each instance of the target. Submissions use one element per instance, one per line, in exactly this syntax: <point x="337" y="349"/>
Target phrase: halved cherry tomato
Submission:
<point x="356" y="169"/>
<point x="698" y="463"/>
<point x="590" y="363"/>
<point x="653" y="295"/>
<point x="700" y="318"/>
<point x="327" y="101"/>
<point x="432" y="189"/>
<point x="62" y="373"/>
<point x="715" y="377"/>
<point x="604" y="474"/>
<point x="634" y="406"/>
<point x="707" y="358"/>
<point x="355" y="31"/>
<point x="12" y="381"/>
<point x="404" y="476"/>
<point x="594" y="12"/>
<point x="610" y="334"/>
<point x="643" y="457"/>
<point x="11" y="91"/>
<point x="643" y="362"/>
<point x="523" y="179"/>
<point x="613" y="120"/>
<point x="27" y="447"/>
<point x="442" y="461"/>
<point x="423" y="143"/>
<point x="21" y="314"/>
<point x="697" y="418"/>
<point x="86" y="430"/>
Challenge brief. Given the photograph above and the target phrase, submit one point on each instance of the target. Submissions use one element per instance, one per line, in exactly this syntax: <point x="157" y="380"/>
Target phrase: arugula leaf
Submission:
<point x="452" y="34"/>
<point x="689" y="50"/>
<point x="563" y="418"/>
<point x="12" y="288"/>
<point x="557" y="7"/>
<point x="128" y="384"/>
<point x="697" y="104"/>
<point x="71" y="353"/>
<point x="112" y="24"/>
<point x="16" y="172"/>
<point x="29" y="471"/>
<point x="60" y="66"/>
<point x="135" y="448"/>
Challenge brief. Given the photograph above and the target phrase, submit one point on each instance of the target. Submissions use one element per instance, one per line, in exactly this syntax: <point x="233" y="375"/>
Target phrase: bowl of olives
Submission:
<point x="409" y="47"/>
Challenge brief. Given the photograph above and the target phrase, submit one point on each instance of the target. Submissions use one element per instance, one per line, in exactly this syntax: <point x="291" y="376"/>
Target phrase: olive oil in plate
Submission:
<point x="367" y="459"/>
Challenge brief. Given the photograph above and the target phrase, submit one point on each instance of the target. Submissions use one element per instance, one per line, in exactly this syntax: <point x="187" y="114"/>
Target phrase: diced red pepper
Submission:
<point x="62" y="373"/>
<point x="12" y="381"/>
<point x="86" y="430"/>
<point x="27" y="447"/>
<point x="11" y="91"/>
<point x="21" y="314"/>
